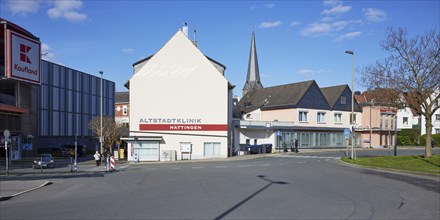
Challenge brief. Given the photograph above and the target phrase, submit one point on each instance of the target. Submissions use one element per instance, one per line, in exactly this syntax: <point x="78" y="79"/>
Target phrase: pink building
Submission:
<point x="378" y="122"/>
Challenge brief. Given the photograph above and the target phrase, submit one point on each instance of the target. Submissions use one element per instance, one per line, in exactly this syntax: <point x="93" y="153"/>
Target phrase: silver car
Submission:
<point x="43" y="161"/>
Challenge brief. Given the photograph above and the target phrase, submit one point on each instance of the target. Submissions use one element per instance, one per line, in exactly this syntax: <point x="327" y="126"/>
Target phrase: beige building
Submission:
<point x="179" y="105"/>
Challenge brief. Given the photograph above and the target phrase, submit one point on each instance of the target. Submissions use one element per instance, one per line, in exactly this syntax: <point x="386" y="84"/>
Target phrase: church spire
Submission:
<point x="253" y="73"/>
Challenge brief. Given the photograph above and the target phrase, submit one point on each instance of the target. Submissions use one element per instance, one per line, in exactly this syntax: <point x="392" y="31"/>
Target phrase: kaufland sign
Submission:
<point x="23" y="58"/>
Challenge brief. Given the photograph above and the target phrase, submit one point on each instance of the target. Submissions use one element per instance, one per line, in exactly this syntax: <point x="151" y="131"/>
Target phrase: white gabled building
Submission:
<point x="180" y="105"/>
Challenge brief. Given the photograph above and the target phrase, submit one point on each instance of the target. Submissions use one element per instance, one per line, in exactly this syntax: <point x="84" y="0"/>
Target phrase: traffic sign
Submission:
<point x="347" y="132"/>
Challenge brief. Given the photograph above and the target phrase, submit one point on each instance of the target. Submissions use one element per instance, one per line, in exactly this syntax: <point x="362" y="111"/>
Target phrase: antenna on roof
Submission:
<point x="195" y="39"/>
<point x="185" y="29"/>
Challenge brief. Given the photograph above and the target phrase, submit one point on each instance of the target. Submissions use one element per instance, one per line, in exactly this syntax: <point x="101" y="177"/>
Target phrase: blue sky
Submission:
<point x="296" y="40"/>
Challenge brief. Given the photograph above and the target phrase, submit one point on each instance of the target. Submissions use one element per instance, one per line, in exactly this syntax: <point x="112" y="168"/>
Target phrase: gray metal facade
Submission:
<point x="68" y="101"/>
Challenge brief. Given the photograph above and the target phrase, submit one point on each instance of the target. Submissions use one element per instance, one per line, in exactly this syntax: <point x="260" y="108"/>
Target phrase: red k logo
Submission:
<point x="24" y="49"/>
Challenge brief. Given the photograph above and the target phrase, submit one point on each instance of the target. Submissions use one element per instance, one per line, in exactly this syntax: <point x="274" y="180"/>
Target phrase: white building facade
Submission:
<point x="435" y="117"/>
<point x="180" y="105"/>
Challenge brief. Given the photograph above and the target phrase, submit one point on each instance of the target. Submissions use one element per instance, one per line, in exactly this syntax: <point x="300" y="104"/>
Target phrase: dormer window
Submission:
<point x="343" y="100"/>
<point x="247" y="104"/>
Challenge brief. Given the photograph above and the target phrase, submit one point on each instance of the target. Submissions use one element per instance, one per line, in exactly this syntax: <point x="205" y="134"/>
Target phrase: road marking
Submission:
<point x="244" y="165"/>
<point x="221" y="166"/>
<point x="305" y="156"/>
<point x="176" y="168"/>
<point x="264" y="165"/>
<point x="283" y="164"/>
<point x="151" y="168"/>
<point x="301" y="162"/>
<point x="197" y="167"/>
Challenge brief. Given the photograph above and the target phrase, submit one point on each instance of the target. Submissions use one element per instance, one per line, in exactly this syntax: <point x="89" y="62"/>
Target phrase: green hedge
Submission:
<point x="408" y="137"/>
<point x="435" y="137"/>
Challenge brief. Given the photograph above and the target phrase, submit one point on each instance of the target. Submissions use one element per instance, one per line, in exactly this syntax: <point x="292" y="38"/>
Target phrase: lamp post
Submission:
<point x="100" y="137"/>
<point x="352" y="100"/>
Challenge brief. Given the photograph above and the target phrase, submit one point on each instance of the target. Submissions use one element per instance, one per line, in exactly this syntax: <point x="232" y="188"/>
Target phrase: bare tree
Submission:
<point x="111" y="131"/>
<point x="412" y="68"/>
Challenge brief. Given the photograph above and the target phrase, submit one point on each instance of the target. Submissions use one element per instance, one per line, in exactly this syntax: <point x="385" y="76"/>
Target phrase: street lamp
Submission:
<point x="100" y="137"/>
<point x="352" y="100"/>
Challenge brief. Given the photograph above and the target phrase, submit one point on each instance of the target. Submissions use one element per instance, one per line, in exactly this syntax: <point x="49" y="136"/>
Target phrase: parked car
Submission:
<point x="43" y="161"/>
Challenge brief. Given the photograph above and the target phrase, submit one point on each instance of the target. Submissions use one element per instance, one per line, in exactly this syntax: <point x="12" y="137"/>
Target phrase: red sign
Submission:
<point x="183" y="127"/>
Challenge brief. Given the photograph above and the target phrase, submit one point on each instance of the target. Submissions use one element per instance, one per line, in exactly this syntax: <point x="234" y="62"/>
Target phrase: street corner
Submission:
<point x="13" y="188"/>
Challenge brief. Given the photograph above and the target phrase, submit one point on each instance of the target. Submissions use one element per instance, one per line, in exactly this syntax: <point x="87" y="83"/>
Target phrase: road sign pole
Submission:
<point x="7" y="160"/>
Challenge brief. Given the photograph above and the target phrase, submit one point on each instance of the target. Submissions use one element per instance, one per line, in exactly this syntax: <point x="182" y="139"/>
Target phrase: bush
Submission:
<point x="413" y="136"/>
<point x="403" y="141"/>
<point x="435" y="137"/>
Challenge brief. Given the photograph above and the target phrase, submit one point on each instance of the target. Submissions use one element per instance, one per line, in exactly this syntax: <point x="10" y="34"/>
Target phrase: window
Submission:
<point x="353" y="118"/>
<point x="343" y="100"/>
<point x="303" y="116"/>
<point x="124" y="110"/>
<point x="437" y="117"/>
<point x="212" y="149"/>
<point x="321" y="117"/>
<point x="338" y="117"/>
<point x="437" y="130"/>
<point x="405" y="121"/>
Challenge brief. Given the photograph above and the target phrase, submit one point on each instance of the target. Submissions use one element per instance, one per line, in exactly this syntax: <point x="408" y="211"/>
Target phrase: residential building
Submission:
<point x="435" y="120"/>
<point x="378" y="122"/>
<point x="122" y="109"/>
<point x="277" y="115"/>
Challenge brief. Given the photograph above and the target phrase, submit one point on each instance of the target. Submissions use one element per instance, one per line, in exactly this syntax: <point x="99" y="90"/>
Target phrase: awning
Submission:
<point x="142" y="138"/>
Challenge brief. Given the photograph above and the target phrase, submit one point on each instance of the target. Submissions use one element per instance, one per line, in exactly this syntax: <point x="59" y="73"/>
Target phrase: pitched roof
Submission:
<point x="287" y="95"/>
<point x="122" y="97"/>
<point x="333" y="93"/>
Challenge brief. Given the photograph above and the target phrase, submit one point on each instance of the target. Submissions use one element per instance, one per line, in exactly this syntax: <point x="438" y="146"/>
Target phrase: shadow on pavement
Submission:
<point x="49" y="176"/>
<point x="270" y="182"/>
<point x="427" y="184"/>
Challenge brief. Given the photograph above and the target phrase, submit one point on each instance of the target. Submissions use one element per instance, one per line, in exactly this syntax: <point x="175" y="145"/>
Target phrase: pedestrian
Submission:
<point x="296" y="145"/>
<point x="292" y="146"/>
<point x="97" y="157"/>
<point x="104" y="157"/>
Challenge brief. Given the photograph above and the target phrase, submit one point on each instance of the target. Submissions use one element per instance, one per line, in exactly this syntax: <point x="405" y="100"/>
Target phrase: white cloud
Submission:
<point x="332" y="2"/>
<point x="67" y="10"/>
<point x="327" y="19"/>
<point x="47" y="53"/>
<point x="271" y="5"/>
<point x="294" y="23"/>
<point x="23" y="7"/>
<point x="316" y="29"/>
<point x="348" y="36"/>
<point x="270" y="24"/>
<point x="339" y="25"/>
<point x="374" y="14"/>
<point x="127" y="50"/>
<point x="308" y="72"/>
<point x="339" y="9"/>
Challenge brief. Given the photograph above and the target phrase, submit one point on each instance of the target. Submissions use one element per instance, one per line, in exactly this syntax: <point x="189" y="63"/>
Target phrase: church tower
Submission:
<point x="253" y="73"/>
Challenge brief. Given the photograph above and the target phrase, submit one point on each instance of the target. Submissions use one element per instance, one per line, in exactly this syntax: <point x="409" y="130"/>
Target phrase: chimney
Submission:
<point x="195" y="39"/>
<point x="185" y="29"/>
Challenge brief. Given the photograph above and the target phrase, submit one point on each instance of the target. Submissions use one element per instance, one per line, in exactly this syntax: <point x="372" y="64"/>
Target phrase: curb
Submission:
<point x="389" y="170"/>
<point x="3" y="198"/>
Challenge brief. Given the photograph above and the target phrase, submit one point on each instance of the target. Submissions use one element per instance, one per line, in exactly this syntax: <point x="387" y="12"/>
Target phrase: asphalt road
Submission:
<point x="305" y="186"/>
